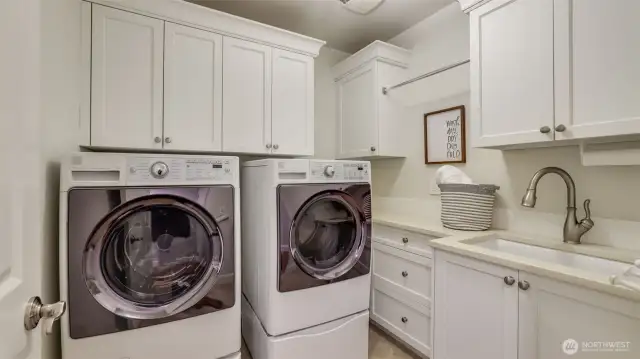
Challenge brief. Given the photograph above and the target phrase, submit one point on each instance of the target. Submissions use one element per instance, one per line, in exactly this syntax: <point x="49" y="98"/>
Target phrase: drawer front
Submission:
<point x="411" y="241"/>
<point x="410" y="271"/>
<point x="411" y="326"/>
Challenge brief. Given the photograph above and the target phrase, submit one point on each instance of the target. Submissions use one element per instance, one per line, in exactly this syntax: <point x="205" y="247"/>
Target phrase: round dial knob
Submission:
<point x="159" y="169"/>
<point x="329" y="171"/>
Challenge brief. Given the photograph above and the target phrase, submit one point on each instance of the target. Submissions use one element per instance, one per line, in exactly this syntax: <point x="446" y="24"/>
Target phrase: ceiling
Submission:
<point x="328" y="20"/>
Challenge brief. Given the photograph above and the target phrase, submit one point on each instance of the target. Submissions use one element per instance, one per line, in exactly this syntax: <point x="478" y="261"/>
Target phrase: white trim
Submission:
<point x="377" y="50"/>
<point x="470" y="5"/>
<point x="182" y="12"/>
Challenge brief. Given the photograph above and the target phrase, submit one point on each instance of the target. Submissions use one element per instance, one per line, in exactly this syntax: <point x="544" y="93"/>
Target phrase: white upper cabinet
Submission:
<point x="512" y="72"/>
<point x="554" y="70"/>
<point x="368" y="121"/>
<point x="193" y="89"/>
<point x="126" y="81"/>
<point x="476" y="306"/>
<point x="247" y="97"/>
<point x="292" y="103"/>
<point x="597" y="73"/>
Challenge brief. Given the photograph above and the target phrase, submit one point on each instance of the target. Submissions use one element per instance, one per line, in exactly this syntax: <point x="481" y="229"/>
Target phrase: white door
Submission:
<point x="512" y="72"/>
<point x="192" y="89"/>
<point x="292" y="104"/>
<point x="476" y="309"/>
<point x="246" y="109"/>
<point x="557" y="319"/>
<point x="358" y="113"/>
<point x="22" y="256"/>
<point x="126" y="79"/>
<point x="597" y="72"/>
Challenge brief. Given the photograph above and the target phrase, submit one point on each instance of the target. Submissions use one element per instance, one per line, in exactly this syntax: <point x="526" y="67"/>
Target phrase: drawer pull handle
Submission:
<point x="405" y="240"/>
<point x="405" y="273"/>
<point x="404" y="319"/>
<point x="524" y="285"/>
<point x="509" y="280"/>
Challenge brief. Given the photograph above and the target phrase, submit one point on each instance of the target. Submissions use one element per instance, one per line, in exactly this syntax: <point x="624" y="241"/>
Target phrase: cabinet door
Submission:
<point x="292" y="103"/>
<point x="193" y="89"/>
<point x="476" y="311"/>
<point x="126" y="87"/>
<point x="554" y="314"/>
<point x="357" y="113"/>
<point x="512" y="72"/>
<point x="246" y="109"/>
<point x="597" y="72"/>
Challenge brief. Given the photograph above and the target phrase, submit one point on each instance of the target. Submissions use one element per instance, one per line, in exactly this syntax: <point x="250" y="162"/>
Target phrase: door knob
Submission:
<point x="405" y="273"/>
<point x="157" y="139"/>
<point x="373" y="149"/>
<point x="49" y="313"/>
<point x="524" y="285"/>
<point x="275" y="147"/>
<point x="405" y="240"/>
<point x="167" y="139"/>
<point x="545" y="129"/>
<point x="268" y="145"/>
<point x="404" y="319"/>
<point x="560" y="128"/>
<point x="509" y="280"/>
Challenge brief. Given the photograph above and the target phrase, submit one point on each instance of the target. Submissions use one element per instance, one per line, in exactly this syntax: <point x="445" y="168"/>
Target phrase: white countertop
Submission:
<point x="458" y="242"/>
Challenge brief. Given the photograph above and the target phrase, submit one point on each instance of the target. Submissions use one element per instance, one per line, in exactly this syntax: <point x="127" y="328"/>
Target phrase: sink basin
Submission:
<point x="554" y="256"/>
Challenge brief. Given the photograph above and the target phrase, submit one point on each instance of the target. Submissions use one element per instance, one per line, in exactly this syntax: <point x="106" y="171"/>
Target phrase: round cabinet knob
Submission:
<point x="524" y="285"/>
<point x="268" y="145"/>
<point x="404" y="319"/>
<point x="167" y="139"/>
<point x="373" y="148"/>
<point x="329" y="171"/>
<point x="545" y="129"/>
<point x="405" y="240"/>
<point x="560" y="128"/>
<point x="405" y="273"/>
<point x="159" y="170"/>
<point x="157" y="140"/>
<point x="509" y="280"/>
<point x="275" y="147"/>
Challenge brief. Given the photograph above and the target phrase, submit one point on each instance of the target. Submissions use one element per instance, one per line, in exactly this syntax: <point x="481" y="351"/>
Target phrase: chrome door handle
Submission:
<point x="560" y="128"/>
<point x="405" y="273"/>
<point x="268" y="145"/>
<point x="545" y="129"/>
<point x="167" y="139"/>
<point x="404" y="319"/>
<point x="275" y="147"/>
<point x="524" y="285"/>
<point x="49" y="313"/>
<point x="373" y="148"/>
<point x="509" y="280"/>
<point x="405" y="240"/>
<point x="157" y="139"/>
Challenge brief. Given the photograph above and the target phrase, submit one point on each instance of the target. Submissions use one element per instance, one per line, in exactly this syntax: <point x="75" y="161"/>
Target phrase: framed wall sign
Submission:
<point x="444" y="136"/>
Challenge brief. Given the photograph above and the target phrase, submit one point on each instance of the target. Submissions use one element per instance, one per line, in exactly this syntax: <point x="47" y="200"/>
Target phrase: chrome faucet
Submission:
<point x="573" y="230"/>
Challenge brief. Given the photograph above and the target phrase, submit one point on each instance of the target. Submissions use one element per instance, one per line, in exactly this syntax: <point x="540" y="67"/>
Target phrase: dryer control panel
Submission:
<point x="144" y="169"/>
<point x="340" y="171"/>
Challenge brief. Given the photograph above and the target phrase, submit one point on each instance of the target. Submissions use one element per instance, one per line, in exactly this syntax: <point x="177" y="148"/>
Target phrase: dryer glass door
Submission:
<point x="153" y="257"/>
<point x="328" y="235"/>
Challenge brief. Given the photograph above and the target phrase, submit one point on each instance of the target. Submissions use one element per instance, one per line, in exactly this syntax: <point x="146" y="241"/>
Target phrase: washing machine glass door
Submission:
<point x="328" y="235"/>
<point x="153" y="257"/>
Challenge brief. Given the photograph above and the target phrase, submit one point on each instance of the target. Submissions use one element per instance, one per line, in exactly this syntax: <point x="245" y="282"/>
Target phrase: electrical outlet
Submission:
<point x="434" y="190"/>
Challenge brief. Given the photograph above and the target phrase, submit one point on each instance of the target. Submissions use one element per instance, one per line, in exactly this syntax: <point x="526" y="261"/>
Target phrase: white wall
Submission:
<point x="325" y="102"/>
<point x="403" y="185"/>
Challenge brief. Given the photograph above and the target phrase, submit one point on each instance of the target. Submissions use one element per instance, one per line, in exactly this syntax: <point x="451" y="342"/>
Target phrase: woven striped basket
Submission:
<point x="467" y="207"/>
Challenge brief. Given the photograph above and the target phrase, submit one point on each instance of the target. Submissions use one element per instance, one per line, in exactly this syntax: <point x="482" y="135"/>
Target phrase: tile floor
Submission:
<point x="380" y="347"/>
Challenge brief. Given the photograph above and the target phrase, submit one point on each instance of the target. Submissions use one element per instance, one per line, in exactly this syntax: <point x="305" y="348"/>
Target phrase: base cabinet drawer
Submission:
<point x="403" y="321"/>
<point x="413" y="242"/>
<point x="407" y="270"/>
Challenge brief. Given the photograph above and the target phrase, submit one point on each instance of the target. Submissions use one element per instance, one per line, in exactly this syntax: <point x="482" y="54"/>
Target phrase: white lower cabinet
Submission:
<point x="401" y="292"/>
<point x="483" y="310"/>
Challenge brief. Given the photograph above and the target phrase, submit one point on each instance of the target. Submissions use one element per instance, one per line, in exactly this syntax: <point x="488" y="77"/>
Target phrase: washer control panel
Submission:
<point x="149" y="169"/>
<point x="340" y="171"/>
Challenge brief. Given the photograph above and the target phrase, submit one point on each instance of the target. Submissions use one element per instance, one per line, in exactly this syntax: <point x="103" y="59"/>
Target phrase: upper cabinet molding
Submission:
<point x="193" y="15"/>
<point x="468" y="5"/>
<point x="377" y="50"/>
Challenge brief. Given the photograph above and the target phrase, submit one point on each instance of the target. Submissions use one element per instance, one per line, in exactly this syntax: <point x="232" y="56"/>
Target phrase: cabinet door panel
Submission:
<point x="358" y="116"/>
<point x="193" y="89"/>
<point x="292" y="103"/>
<point x="512" y="83"/>
<point x="551" y="312"/>
<point x="476" y="312"/>
<point x="126" y="88"/>
<point x="597" y="56"/>
<point x="246" y="110"/>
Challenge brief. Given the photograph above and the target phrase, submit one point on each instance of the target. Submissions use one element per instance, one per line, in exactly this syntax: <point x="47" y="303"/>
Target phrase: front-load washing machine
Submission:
<point x="306" y="257"/>
<point x="150" y="256"/>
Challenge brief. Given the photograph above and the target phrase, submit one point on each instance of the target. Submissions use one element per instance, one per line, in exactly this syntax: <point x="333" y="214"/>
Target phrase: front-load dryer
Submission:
<point x="307" y="241"/>
<point x="149" y="256"/>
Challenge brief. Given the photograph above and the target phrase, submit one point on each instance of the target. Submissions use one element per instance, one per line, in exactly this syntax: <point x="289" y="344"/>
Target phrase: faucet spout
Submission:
<point x="573" y="230"/>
